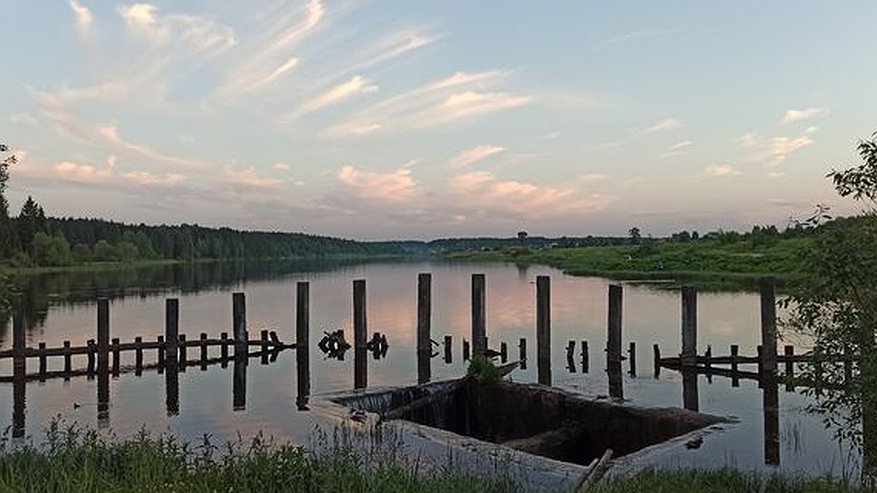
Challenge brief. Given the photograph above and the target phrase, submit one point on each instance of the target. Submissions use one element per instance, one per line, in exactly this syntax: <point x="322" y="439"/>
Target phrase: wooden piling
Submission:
<point x="67" y="361"/>
<point x="449" y="357"/>
<point x="708" y="357"/>
<point x="116" y="356"/>
<point x="239" y="383"/>
<point x="103" y="335"/>
<point x="92" y="351"/>
<point x="360" y="333"/>
<point x="203" y="343"/>
<point x="735" y="380"/>
<point x="613" y="339"/>
<point x="160" y="353"/>
<point x="239" y="324"/>
<point x="768" y="325"/>
<point x="656" y="360"/>
<point x="586" y="357"/>
<point x="42" y="352"/>
<point x="631" y="355"/>
<point x="263" y="339"/>
<point x="138" y="356"/>
<point x="479" y="315"/>
<point x="690" y="399"/>
<point x="543" y="329"/>
<point x="223" y="349"/>
<point x="171" y="329"/>
<point x="302" y="346"/>
<point x="789" y="352"/>
<point x="522" y="352"/>
<point x="465" y="350"/>
<point x="689" y="326"/>
<point x="424" y="315"/>
<point x="184" y="353"/>
<point x="503" y="352"/>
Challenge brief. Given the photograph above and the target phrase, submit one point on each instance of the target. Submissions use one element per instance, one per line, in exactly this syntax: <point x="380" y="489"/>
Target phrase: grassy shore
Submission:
<point x="720" y="481"/>
<point x="77" y="460"/>
<point x="708" y="264"/>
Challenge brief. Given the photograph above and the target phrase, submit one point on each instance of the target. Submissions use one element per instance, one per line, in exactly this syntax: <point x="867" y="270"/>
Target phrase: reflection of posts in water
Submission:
<point x="479" y="315"/>
<point x="656" y="356"/>
<point x="631" y="354"/>
<point x="239" y="324"/>
<point x="103" y="362"/>
<point x="771" y="403"/>
<point x="360" y="330"/>
<point x="570" y="357"/>
<point x="543" y="329"/>
<point x="302" y="348"/>
<point x="172" y="387"/>
<point x="616" y="388"/>
<point x="690" y="399"/>
<point x="735" y="377"/>
<point x="586" y="363"/>
<point x="19" y="369"/>
<point x="424" y="345"/>
<point x="239" y="384"/>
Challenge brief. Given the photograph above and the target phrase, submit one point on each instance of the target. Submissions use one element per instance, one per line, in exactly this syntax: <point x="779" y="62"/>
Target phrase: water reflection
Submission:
<point x="262" y="396"/>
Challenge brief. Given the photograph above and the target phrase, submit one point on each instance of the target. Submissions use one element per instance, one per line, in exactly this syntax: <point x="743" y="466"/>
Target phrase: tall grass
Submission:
<point x="74" y="459"/>
<point x="719" y="481"/>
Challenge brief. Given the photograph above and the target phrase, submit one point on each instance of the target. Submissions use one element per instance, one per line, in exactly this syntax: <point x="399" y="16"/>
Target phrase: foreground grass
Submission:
<point x="709" y="264"/>
<point x="727" y="480"/>
<point x="76" y="460"/>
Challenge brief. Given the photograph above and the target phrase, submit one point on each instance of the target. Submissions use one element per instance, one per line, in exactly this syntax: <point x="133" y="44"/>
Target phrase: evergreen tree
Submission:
<point x="31" y="220"/>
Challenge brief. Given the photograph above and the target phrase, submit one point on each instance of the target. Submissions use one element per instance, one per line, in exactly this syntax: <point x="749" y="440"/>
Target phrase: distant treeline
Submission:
<point x="32" y="239"/>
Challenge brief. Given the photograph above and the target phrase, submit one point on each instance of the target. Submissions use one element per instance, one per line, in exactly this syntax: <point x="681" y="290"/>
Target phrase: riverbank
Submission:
<point x="79" y="460"/>
<point x="705" y="263"/>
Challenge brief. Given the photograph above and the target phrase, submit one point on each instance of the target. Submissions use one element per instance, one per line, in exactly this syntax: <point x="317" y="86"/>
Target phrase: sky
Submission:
<point x="418" y="119"/>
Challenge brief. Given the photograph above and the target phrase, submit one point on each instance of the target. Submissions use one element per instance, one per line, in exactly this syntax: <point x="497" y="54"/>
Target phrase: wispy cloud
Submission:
<point x="677" y="149"/>
<point x="722" y="170"/>
<point x="25" y="119"/>
<point x="475" y="154"/>
<point x="663" y="125"/>
<point x="592" y="178"/>
<point x="355" y="86"/>
<point x="247" y="178"/>
<point x="148" y="179"/>
<point x="86" y="173"/>
<point x="393" y="187"/>
<point x="775" y="150"/>
<point x="458" y="97"/>
<point x="793" y="116"/>
<point x="635" y="35"/>
<point x="84" y="18"/>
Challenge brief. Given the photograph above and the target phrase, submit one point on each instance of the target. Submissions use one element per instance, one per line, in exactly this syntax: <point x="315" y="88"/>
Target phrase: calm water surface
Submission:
<point x="63" y="308"/>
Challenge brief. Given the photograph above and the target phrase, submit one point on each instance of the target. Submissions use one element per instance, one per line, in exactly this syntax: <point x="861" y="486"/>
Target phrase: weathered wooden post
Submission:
<point x="503" y="352"/>
<point x="465" y="350"/>
<point x="689" y="326"/>
<point x="789" y="353"/>
<point x="203" y="343"/>
<point x="449" y="357"/>
<point x="360" y="331"/>
<point x="184" y="354"/>
<point x="263" y="340"/>
<point x="19" y="405"/>
<point x="41" y="350"/>
<point x="67" y="360"/>
<point x="116" y="356"/>
<point x="613" y="339"/>
<point x="138" y="356"/>
<point x="735" y="378"/>
<point x="479" y="315"/>
<point x="239" y="383"/>
<point x="424" y="314"/>
<point x="302" y="348"/>
<point x="656" y="356"/>
<point x="171" y="331"/>
<point x="103" y="335"/>
<point x="768" y="325"/>
<point x="522" y="352"/>
<point x="160" y="353"/>
<point x="223" y="349"/>
<point x="543" y="329"/>
<point x="239" y="325"/>
<point x="171" y="387"/>
<point x="586" y="357"/>
<point x="770" y="404"/>
<point x="631" y="355"/>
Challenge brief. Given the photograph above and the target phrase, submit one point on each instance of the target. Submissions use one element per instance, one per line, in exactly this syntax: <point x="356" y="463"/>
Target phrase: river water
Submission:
<point x="62" y="307"/>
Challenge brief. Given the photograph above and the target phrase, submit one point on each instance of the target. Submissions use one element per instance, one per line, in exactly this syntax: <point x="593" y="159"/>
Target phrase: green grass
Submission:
<point x="725" y="480"/>
<point x="708" y="264"/>
<point x="77" y="460"/>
